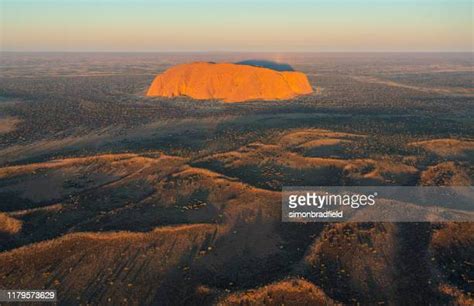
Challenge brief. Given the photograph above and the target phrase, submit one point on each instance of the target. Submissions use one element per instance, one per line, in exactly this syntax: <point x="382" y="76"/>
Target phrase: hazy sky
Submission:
<point x="239" y="25"/>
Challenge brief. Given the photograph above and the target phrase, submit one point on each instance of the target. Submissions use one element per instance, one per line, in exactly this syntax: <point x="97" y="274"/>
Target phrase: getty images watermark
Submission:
<point x="377" y="204"/>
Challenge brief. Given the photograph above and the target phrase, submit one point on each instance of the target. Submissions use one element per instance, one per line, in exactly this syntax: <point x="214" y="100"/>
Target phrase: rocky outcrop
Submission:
<point x="229" y="82"/>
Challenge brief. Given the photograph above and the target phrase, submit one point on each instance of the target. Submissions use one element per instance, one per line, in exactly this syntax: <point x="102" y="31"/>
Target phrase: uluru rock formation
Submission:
<point x="229" y="82"/>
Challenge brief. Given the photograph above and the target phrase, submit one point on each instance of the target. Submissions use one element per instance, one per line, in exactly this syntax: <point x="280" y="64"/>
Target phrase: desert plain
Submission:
<point x="110" y="196"/>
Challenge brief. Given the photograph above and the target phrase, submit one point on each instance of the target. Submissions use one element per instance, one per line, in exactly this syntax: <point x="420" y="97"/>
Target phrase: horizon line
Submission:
<point x="240" y="51"/>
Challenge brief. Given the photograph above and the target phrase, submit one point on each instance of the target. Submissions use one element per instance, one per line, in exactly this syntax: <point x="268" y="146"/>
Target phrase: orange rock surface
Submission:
<point x="229" y="82"/>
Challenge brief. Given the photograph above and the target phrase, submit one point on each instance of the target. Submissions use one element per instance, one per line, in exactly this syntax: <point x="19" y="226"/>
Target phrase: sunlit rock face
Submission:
<point x="229" y="82"/>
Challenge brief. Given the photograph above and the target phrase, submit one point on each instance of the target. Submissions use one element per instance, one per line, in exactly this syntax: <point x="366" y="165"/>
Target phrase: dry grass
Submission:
<point x="114" y="160"/>
<point x="365" y="278"/>
<point x="446" y="174"/>
<point x="9" y="225"/>
<point x="241" y="227"/>
<point x="287" y="292"/>
<point x="299" y="137"/>
<point x="454" y="234"/>
<point x="8" y="124"/>
<point x="213" y="227"/>
<point x="53" y="181"/>
<point x="325" y="142"/>
<point x="381" y="171"/>
<point x="459" y="298"/>
<point x="452" y="249"/>
<point x="97" y="267"/>
<point x="284" y="157"/>
<point x="448" y="148"/>
<point x="257" y="153"/>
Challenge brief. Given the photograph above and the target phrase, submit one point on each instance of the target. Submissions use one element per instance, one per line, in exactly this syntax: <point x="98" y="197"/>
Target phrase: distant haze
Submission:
<point x="244" y="25"/>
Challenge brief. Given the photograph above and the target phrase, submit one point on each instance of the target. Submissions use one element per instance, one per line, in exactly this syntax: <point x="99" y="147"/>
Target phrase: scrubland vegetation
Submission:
<point x="112" y="197"/>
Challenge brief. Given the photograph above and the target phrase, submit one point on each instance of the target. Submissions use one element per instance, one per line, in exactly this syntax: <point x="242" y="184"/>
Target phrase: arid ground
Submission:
<point x="110" y="196"/>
